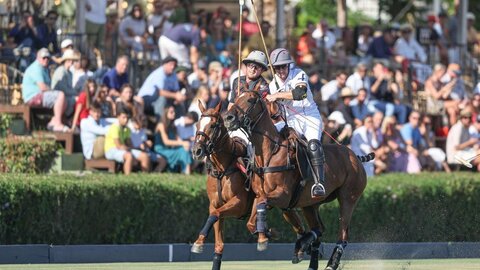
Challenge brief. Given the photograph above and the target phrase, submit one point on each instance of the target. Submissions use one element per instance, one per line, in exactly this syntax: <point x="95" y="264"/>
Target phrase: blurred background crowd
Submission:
<point x="406" y="90"/>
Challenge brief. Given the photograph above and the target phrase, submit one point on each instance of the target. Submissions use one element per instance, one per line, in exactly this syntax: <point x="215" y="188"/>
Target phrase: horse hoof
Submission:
<point x="261" y="246"/>
<point x="196" y="248"/>
<point x="329" y="268"/>
<point x="297" y="258"/>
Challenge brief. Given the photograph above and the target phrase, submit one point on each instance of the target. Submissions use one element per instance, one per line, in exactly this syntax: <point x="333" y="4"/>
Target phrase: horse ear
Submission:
<point x="200" y="105"/>
<point x="218" y="107"/>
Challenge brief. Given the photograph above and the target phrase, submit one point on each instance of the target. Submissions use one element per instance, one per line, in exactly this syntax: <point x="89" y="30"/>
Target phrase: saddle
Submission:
<point x="298" y="152"/>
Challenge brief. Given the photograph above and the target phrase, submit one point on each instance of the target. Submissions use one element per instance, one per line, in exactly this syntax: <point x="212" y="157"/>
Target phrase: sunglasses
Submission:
<point x="254" y="66"/>
<point x="280" y="67"/>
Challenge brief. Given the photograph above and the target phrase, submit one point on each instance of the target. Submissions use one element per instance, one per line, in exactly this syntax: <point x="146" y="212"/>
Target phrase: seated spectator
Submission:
<point x="343" y="106"/>
<point x="364" y="141"/>
<point x="331" y="91"/>
<point x="381" y="47"/>
<point x="62" y="80"/>
<point x="133" y="103"/>
<point x="161" y="87"/>
<point x="67" y="44"/>
<point x="365" y="38"/>
<point x="132" y="29"/>
<point x="359" y="79"/>
<point x="83" y="103"/>
<point x="428" y="142"/>
<point x="438" y="94"/>
<point x="106" y="102"/>
<point x="92" y="132"/>
<point x="36" y="90"/>
<point x="383" y="92"/>
<point x="460" y="142"/>
<point x="455" y="91"/>
<point x="338" y="128"/>
<point x="47" y="33"/>
<point x="80" y="72"/>
<point x="185" y="126"/>
<point x="118" y="146"/>
<point x="116" y="77"/>
<point x="141" y="142"/>
<point x="399" y="160"/>
<point x="407" y="47"/>
<point x="169" y="145"/>
<point x="359" y="107"/>
<point x="215" y="83"/>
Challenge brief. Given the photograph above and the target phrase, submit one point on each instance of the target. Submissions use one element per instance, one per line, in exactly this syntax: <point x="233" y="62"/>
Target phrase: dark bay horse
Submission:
<point x="225" y="182"/>
<point x="345" y="176"/>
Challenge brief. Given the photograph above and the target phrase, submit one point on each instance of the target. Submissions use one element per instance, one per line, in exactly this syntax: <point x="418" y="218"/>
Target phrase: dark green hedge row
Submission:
<point x="26" y="154"/>
<point x="166" y="208"/>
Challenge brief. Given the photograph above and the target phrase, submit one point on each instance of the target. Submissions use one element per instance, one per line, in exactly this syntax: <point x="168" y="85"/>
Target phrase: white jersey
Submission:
<point x="306" y="106"/>
<point x="302" y="115"/>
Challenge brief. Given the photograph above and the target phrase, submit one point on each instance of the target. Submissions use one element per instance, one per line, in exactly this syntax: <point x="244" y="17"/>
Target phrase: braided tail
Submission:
<point x="367" y="157"/>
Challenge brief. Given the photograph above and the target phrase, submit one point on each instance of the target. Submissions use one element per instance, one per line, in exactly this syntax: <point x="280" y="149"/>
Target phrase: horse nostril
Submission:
<point x="198" y="152"/>
<point x="229" y="118"/>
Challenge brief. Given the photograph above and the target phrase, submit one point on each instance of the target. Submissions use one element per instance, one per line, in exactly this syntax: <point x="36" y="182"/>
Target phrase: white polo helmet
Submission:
<point x="257" y="57"/>
<point x="280" y="56"/>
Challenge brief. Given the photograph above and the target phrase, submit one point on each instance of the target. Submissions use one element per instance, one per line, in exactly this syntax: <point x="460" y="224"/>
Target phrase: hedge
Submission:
<point x="171" y="208"/>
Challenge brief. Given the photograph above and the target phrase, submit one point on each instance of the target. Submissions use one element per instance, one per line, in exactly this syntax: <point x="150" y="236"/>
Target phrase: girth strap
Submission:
<point x="219" y="175"/>
<point x="263" y="170"/>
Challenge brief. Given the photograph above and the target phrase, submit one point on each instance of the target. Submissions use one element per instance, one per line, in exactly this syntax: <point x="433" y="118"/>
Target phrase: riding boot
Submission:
<point x="317" y="160"/>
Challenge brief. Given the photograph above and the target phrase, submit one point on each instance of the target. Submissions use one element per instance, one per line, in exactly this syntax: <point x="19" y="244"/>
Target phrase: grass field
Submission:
<point x="437" y="264"/>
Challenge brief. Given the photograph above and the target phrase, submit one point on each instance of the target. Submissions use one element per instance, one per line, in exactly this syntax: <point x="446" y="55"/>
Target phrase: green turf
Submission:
<point x="437" y="264"/>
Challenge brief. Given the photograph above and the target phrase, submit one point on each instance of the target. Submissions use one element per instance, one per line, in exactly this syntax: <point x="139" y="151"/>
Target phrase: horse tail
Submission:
<point x="367" y="157"/>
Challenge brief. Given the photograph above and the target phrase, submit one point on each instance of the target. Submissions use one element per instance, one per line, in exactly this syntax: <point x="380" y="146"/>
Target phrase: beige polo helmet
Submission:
<point x="257" y="57"/>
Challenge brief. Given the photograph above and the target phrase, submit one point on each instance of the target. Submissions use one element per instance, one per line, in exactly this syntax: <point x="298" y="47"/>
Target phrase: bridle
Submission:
<point x="209" y="143"/>
<point x="248" y="123"/>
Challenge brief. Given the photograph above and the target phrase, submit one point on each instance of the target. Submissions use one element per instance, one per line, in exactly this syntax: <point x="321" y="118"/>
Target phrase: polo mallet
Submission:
<point x="465" y="162"/>
<point x="241" y="3"/>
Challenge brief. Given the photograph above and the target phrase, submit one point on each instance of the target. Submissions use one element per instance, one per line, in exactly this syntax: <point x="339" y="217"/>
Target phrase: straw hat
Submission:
<point x="70" y="55"/>
<point x="347" y="92"/>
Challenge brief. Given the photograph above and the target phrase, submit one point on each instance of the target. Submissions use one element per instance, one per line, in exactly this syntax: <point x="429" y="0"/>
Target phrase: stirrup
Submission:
<point x="318" y="190"/>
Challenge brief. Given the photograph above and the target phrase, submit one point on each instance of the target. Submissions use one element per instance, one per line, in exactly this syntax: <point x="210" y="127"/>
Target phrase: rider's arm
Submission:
<point x="298" y="93"/>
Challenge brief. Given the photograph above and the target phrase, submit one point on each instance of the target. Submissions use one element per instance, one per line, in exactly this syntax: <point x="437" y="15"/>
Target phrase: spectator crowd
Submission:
<point x="367" y="104"/>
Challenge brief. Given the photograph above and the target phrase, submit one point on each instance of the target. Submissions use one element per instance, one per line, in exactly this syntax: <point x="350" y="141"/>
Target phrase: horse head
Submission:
<point x="209" y="132"/>
<point x="245" y="112"/>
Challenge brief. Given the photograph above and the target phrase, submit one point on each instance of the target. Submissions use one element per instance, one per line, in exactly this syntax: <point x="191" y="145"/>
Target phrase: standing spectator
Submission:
<point x="169" y="145"/>
<point x="306" y="47"/>
<point x="133" y="29"/>
<point x="181" y="42"/>
<point x="364" y="40"/>
<point x="95" y="19"/>
<point x="47" y="33"/>
<point x="161" y="87"/>
<point x="25" y="33"/>
<point x="460" y="142"/>
<point x="111" y="36"/>
<point x="364" y="141"/>
<point x="359" y="79"/>
<point x="92" y="130"/>
<point x="117" y="76"/>
<point x="62" y="79"/>
<point x="248" y="27"/>
<point x="381" y="47"/>
<point x="472" y="36"/>
<point x="255" y="42"/>
<point x="324" y="38"/>
<point x="118" y="145"/>
<point x="36" y="90"/>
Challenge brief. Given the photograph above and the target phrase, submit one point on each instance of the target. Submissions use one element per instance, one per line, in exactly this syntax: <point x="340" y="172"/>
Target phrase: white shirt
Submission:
<point x="330" y="91"/>
<point x="306" y="106"/>
<point x="410" y="49"/>
<point x="98" y="11"/>
<point x="363" y="141"/>
<point x="329" y="39"/>
<point x="355" y="82"/>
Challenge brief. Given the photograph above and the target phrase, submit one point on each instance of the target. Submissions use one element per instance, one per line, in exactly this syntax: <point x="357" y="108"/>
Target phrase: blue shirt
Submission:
<point x="410" y="133"/>
<point x="34" y="74"/>
<point x="379" y="48"/>
<point x="359" y="111"/>
<point x="158" y="80"/>
<point x="184" y="33"/>
<point x="113" y="80"/>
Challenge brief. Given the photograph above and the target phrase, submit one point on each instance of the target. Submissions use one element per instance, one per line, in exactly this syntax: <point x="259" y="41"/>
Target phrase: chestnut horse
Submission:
<point x="345" y="176"/>
<point x="225" y="183"/>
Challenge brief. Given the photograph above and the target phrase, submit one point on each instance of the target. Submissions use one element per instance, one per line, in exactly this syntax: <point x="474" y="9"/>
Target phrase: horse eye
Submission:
<point x="251" y="100"/>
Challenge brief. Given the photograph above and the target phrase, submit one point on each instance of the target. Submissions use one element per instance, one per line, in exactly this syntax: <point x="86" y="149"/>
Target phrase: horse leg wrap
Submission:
<point x="262" y="218"/>
<point x="217" y="261"/>
<point x="314" y="255"/>
<point x="334" y="261"/>
<point x="208" y="225"/>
